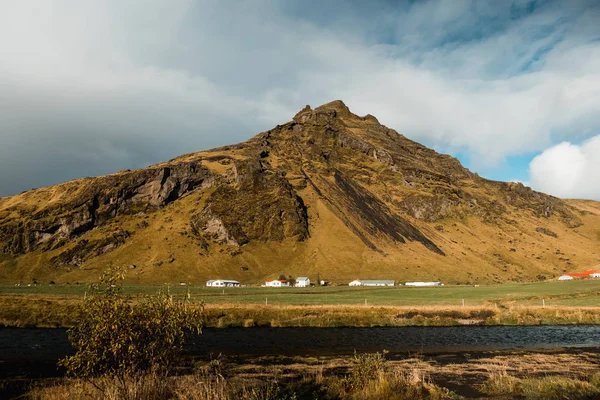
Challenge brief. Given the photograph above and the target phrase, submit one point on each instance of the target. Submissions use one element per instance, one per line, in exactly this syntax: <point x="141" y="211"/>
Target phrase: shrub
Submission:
<point x="112" y="336"/>
<point x="367" y="367"/>
<point x="372" y="378"/>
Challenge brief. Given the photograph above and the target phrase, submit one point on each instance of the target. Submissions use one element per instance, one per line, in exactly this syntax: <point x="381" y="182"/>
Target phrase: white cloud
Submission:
<point x="568" y="170"/>
<point x="122" y="84"/>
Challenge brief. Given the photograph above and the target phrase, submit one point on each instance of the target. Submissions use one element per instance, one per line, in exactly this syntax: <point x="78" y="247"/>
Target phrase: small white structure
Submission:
<point x="420" y="284"/>
<point x="565" y="278"/>
<point x="277" y="283"/>
<point x="222" y="283"/>
<point x="302" y="282"/>
<point x="359" y="282"/>
<point x="595" y="275"/>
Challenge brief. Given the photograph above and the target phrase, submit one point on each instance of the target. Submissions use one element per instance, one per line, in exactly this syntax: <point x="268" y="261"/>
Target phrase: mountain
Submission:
<point x="328" y="193"/>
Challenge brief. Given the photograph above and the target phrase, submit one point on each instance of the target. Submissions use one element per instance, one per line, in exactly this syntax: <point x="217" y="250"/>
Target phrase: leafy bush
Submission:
<point x="115" y="337"/>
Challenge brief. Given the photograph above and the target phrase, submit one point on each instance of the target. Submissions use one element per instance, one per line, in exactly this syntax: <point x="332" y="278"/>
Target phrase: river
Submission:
<point x="23" y="344"/>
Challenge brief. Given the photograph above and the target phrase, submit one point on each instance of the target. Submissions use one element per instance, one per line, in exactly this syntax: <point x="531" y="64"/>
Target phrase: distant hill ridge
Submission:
<point x="329" y="192"/>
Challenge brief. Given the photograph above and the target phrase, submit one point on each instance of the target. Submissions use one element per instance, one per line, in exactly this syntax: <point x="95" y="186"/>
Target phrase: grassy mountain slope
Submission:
<point x="328" y="192"/>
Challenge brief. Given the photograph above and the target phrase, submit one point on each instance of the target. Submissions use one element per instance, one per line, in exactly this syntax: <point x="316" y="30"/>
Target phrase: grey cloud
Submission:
<point x="93" y="87"/>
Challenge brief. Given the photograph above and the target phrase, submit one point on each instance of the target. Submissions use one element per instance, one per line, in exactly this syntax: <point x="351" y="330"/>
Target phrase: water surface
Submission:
<point x="38" y="344"/>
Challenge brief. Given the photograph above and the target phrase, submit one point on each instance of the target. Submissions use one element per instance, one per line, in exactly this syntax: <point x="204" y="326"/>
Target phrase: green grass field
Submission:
<point x="570" y="293"/>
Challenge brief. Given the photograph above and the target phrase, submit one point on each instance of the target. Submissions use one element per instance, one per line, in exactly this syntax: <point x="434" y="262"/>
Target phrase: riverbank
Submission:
<point x="550" y="374"/>
<point x="43" y="311"/>
<point x="224" y="316"/>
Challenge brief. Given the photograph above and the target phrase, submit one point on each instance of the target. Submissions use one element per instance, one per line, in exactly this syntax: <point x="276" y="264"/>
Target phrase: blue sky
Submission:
<point x="511" y="88"/>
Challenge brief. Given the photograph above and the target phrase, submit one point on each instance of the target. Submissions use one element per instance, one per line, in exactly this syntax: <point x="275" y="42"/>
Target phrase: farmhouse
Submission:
<point x="302" y="282"/>
<point x="222" y="283"/>
<point x="360" y="282"/>
<point x="595" y="275"/>
<point x="277" y="283"/>
<point x="565" y="278"/>
<point x="423" y="284"/>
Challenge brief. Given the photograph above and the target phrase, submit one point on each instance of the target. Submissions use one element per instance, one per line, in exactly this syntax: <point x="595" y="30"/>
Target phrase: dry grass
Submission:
<point x="152" y="387"/>
<point x="384" y="385"/>
<point x="36" y="311"/>
<point x="61" y="311"/>
<point x="536" y="377"/>
<point x="545" y="388"/>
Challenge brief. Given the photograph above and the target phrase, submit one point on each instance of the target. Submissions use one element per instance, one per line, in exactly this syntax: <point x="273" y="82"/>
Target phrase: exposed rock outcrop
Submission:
<point x="261" y="206"/>
<point x="96" y="201"/>
<point x="86" y="249"/>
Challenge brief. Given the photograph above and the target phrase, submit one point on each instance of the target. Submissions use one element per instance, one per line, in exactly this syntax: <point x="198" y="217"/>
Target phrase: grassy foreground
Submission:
<point x="553" y="375"/>
<point x="369" y="377"/>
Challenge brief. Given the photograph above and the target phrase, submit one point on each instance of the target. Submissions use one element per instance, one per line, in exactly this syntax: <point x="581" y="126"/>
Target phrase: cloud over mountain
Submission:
<point x="91" y="87"/>
<point x="568" y="170"/>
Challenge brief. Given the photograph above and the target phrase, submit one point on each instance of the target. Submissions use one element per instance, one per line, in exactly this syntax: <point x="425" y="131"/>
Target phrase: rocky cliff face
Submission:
<point x="26" y="226"/>
<point x="381" y="194"/>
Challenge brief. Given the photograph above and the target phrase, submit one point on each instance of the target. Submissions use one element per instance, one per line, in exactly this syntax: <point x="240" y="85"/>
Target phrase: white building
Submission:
<point x="359" y="282"/>
<point x="302" y="282"/>
<point x="423" y="284"/>
<point x="595" y="275"/>
<point x="565" y="278"/>
<point x="378" y="283"/>
<point x="222" y="283"/>
<point x="277" y="283"/>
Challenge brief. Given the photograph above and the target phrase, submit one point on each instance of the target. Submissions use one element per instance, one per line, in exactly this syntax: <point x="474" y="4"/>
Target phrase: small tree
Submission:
<point x="115" y="337"/>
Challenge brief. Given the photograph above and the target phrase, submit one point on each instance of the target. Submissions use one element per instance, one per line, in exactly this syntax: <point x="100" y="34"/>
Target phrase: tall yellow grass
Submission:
<point x="37" y="311"/>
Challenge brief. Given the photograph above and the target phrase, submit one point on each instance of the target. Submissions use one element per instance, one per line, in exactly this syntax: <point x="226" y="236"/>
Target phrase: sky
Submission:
<point x="511" y="88"/>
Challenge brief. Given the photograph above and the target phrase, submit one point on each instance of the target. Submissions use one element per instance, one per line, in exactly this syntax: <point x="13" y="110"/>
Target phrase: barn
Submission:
<point x="372" y="282"/>
<point x="421" y="284"/>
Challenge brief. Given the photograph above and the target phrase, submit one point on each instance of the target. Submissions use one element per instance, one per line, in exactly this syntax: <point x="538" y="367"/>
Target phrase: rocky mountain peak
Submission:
<point x="337" y="105"/>
<point x="325" y="114"/>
